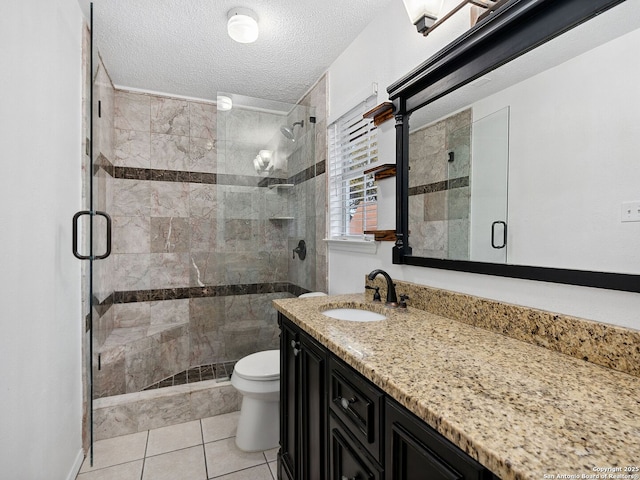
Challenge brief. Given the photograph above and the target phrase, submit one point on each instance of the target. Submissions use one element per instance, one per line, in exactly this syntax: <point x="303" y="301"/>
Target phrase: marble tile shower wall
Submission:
<point x="439" y="192"/>
<point x="186" y="226"/>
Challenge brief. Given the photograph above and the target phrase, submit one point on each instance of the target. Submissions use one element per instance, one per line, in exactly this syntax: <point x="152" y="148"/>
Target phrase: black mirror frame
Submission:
<point x="515" y="28"/>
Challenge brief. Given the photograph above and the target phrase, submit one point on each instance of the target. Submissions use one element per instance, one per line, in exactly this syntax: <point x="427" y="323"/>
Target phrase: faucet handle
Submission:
<point x="376" y="294"/>
<point x="403" y="303"/>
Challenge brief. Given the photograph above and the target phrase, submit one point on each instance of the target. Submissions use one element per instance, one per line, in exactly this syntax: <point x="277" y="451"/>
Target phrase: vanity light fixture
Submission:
<point x="263" y="161"/>
<point x="426" y="15"/>
<point x="266" y="155"/>
<point x="242" y="25"/>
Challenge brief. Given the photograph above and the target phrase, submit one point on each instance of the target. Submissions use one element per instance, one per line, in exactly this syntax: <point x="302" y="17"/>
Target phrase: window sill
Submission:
<point x="352" y="245"/>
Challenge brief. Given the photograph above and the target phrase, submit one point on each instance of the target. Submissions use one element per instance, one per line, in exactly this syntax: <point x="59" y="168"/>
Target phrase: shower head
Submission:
<point x="288" y="131"/>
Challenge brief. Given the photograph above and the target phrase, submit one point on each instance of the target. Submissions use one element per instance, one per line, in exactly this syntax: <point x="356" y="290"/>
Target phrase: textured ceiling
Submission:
<point x="181" y="47"/>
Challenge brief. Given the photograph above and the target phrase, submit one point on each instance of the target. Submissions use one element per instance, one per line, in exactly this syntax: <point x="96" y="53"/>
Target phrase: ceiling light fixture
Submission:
<point x="242" y="25"/>
<point x="426" y="14"/>
<point x="224" y="103"/>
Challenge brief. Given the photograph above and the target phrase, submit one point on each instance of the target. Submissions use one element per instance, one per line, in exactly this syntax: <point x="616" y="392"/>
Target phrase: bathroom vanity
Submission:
<point x="333" y="421"/>
<point x="419" y="395"/>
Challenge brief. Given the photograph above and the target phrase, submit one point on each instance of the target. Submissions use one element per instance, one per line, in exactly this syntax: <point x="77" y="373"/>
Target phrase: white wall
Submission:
<point x="384" y="52"/>
<point x="573" y="160"/>
<point x="40" y="343"/>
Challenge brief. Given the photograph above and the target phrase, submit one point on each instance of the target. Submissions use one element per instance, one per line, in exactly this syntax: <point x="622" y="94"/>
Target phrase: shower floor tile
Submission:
<point x="219" y="371"/>
<point x="198" y="450"/>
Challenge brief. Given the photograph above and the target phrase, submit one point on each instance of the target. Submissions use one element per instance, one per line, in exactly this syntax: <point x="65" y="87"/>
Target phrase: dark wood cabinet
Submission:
<point x="303" y="405"/>
<point x="335" y="424"/>
<point x="358" y="404"/>
<point x="288" y="455"/>
<point x="415" y="451"/>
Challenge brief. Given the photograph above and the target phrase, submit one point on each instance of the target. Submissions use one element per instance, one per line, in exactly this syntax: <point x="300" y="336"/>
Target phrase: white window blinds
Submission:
<point x="353" y="196"/>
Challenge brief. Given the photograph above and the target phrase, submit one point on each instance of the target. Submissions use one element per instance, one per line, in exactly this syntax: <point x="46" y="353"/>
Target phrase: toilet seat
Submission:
<point x="260" y="366"/>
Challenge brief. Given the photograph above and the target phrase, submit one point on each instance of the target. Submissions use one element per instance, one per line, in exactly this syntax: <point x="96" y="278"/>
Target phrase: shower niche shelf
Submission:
<point x="282" y="218"/>
<point x="281" y="186"/>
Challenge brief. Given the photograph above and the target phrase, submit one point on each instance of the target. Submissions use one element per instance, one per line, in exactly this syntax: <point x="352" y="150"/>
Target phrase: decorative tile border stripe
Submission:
<point x="439" y="186"/>
<point x="151" y="174"/>
<point x="610" y="346"/>
<point x="103" y="163"/>
<point x="101" y="307"/>
<point x="132" y="296"/>
<point x="132" y="173"/>
<point x="308" y="173"/>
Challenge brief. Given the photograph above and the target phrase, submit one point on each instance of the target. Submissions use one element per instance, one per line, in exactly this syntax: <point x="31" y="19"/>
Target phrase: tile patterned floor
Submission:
<point x="199" y="450"/>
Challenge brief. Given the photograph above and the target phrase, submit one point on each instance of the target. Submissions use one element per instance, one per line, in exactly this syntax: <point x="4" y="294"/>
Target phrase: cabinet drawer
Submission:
<point x="358" y="404"/>
<point x="347" y="460"/>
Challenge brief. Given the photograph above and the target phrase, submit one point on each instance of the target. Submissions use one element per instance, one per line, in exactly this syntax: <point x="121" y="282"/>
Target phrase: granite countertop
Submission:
<point x="521" y="410"/>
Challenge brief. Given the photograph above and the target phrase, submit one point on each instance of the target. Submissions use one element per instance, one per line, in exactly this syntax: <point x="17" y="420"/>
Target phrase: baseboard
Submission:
<point x="77" y="464"/>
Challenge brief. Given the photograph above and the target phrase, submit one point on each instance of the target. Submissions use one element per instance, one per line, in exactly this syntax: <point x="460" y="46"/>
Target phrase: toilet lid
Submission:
<point x="259" y="366"/>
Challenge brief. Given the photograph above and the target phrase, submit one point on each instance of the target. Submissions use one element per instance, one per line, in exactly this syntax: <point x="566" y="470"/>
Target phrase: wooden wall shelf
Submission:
<point x="382" y="171"/>
<point x="380" y="113"/>
<point x="382" y="235"/>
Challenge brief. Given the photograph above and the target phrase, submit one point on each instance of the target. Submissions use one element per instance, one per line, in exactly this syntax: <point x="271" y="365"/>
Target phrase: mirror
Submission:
<point x="530" y="169"/>
<point x="443" y="187"/>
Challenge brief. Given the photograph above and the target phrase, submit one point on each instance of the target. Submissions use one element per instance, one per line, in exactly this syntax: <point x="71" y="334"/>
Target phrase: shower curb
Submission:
<point x="137" y="412"/>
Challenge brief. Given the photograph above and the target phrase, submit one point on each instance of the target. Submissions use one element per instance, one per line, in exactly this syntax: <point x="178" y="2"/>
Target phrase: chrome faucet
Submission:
<point x="392" y="299"/>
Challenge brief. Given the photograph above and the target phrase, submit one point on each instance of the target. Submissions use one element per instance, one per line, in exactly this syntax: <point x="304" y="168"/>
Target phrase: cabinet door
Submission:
<point x="313" y="411"/>
<point x="414" y="451"/>
<point x="288" y="456"/>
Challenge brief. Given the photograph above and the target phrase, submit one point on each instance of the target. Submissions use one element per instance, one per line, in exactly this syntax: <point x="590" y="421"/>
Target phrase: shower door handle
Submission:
<point x="493" y="234"/>
<point x="75" y="235"/>
<point x="108" y="250"/>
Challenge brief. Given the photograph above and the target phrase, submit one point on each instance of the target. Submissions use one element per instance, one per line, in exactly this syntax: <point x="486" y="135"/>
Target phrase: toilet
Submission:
<point x="257" y="378"/>
<point x="313" y="294"/>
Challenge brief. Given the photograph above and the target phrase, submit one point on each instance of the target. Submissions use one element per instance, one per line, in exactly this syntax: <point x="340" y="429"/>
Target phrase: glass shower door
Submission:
<point x="489" y="187"/>
<point x="92" y="226"/>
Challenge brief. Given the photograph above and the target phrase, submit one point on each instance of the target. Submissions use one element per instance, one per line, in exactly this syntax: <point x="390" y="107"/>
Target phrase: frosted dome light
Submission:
<point x="242" y="25"/>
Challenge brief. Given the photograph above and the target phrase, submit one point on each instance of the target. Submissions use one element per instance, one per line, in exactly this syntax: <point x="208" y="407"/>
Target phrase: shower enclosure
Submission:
<point x="206" y="207"/>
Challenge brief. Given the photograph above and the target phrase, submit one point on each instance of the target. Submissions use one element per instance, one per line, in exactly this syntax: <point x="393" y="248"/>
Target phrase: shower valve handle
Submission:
<point x="301" y="250"/>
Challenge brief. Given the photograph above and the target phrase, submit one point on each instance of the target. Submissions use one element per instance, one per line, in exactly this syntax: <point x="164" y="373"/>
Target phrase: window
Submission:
<point x="353" y="196"/>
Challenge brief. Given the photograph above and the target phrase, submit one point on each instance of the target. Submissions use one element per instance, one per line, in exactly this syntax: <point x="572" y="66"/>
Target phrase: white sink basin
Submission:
<point x="354" y="315"/>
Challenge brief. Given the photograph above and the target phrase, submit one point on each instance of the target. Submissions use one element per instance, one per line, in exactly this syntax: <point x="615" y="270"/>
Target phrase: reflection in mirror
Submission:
<point x="458" y="187"/>
<point x="572" y="145"/>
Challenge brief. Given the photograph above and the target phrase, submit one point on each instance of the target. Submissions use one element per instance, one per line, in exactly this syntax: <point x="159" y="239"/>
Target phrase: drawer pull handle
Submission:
<point x="345" y="403"/>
